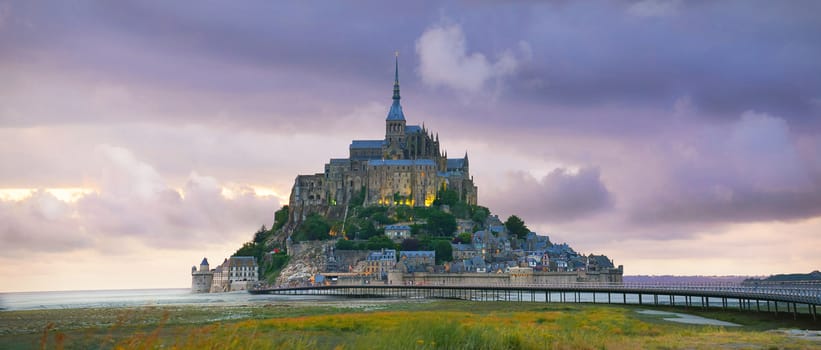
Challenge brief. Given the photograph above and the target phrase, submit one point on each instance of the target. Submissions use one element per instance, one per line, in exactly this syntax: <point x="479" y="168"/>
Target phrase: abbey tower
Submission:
<point x="407" y="167"/>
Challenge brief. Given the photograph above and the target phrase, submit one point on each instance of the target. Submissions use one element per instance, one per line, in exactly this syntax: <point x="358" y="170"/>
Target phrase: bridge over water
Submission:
<point x="794" y="299"/>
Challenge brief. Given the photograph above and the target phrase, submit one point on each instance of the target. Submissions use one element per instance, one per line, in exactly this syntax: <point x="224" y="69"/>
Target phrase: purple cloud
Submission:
<point x="559" y="196"/>
<point x="133" y="201"/>
<point x="655" y="94"/>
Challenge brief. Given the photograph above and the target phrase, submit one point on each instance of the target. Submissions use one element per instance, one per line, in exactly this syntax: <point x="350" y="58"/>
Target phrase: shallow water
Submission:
<point x="132" y="298"/>
<point x="688" y="319"/>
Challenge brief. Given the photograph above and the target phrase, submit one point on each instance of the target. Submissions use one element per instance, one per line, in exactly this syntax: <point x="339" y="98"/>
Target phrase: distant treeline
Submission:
<point x="792" y="277"/>
<point x="670" y="279"/>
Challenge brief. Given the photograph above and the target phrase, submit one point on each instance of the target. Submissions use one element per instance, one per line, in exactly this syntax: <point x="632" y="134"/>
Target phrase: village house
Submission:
<point x="417" y="260"/>
<point x="235" y="273"/>
<point x="398" y="232"/>
<point x="379" y="263"/>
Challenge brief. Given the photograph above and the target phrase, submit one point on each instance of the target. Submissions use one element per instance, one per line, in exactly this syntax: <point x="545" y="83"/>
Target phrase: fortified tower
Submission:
<point x="201" y="280"/>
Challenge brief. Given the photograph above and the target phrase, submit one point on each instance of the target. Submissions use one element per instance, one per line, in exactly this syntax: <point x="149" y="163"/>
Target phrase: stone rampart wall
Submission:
<point x="348" y="258"/>
<point x="487" y="279"/>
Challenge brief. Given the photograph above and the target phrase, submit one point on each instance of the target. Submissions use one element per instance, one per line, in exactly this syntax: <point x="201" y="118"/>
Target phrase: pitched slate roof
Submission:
<point x="242" y="261"/>
<point x="456" y="163"/>
<point x="396" y="112"/>
<point x="360" y="144"/>
<point x="418" y="253"/>
<point x="408" y="162"/>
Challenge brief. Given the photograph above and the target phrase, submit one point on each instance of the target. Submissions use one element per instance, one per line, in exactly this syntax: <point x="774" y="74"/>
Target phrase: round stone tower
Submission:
<point x="201" y="280"/>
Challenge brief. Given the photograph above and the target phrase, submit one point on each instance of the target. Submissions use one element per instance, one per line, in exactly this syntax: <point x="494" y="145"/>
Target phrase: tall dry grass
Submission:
<point x="583" y="328"/>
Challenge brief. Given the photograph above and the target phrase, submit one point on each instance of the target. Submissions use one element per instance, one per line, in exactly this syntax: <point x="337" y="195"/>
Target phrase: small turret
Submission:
<point x="204" y="265"/>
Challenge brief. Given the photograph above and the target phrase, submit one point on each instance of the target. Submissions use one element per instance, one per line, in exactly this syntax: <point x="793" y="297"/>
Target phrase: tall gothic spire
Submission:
<point x="396" y="79"/>
<point x="395" y="112"/>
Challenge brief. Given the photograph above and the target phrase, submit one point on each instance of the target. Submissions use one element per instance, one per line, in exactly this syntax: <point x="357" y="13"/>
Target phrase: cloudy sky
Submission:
<point x="677" y="137"/>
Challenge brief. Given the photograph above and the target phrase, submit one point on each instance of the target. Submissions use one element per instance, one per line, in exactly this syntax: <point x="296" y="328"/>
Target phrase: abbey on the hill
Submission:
<point x="407" y="167"/>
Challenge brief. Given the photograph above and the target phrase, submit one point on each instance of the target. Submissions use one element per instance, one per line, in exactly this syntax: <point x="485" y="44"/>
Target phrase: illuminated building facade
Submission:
<point x="407" y="167"/>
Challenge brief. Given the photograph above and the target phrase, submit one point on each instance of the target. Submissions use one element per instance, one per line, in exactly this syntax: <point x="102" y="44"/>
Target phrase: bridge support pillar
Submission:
<point x="794" y="311"/>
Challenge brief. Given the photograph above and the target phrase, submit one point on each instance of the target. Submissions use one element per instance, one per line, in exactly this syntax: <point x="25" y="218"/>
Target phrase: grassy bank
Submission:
<point x="388" y="325"/>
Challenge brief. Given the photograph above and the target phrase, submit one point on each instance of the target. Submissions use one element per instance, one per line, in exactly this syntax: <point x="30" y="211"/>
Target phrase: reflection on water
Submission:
<point x="134" y="297"/>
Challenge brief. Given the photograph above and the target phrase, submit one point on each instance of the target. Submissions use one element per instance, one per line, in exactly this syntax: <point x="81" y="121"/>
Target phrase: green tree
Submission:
<point x="280" y="217"/>
<point x="422" y="213"/>
<point x="358" y="199"/>
<point x="516" y="226"/>
<point x="441" y="224"/>
<point x="314" y="228"/>
<point x="480" y="214"/>
<point x="444" y="251"/>
<point x="261" y="235"/>
<point x="460" y="210"/>
<point x="344" y="244"/>
<point x="379" y="242"/>
<point x="382" y="218"/>
<point x="409" y="244"/>
<point x="250" y="249"/>
<point x="271" y="268"/>
<point x="370" y="212"/>
<point x="403" y="213"/>
<point x="463" y="237"/>
<point x="446" y="197"/>
<point x="367" y="230"/>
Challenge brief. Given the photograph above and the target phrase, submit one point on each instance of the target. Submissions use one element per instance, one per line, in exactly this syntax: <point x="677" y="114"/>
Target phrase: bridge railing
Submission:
<point x="810" y="292"/>
<point x="804" y="293"/>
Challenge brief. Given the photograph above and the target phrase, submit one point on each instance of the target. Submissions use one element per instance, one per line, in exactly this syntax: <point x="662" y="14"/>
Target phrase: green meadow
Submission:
<point x="386" y="324"/>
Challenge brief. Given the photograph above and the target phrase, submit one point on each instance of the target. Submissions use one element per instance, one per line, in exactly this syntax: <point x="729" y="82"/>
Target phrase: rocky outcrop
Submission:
<point x="307" y="259"/>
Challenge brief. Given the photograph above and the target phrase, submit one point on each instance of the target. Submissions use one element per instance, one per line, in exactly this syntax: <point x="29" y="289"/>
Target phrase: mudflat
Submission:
<point x="392" y="324"/>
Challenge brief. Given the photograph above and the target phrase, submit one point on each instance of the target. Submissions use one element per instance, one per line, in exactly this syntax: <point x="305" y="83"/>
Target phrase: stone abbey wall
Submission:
<point x="406" y="167"/>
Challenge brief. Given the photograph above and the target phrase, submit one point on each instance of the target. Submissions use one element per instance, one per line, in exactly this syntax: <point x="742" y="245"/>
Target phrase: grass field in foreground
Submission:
<point x="370" y="324"/>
